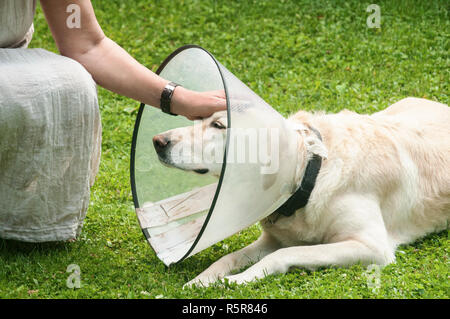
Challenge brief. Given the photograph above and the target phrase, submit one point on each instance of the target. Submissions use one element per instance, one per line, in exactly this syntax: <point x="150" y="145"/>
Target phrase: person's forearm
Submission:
<point x="114" y="69"/>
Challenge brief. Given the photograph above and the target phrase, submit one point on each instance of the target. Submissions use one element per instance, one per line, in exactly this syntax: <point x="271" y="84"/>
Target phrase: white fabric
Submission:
<point x="16" y="23"/>
<point x="50" y="136"/>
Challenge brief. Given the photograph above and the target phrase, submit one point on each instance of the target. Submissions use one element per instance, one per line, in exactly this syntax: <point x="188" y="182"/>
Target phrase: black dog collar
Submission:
<point x="301" y="196"/>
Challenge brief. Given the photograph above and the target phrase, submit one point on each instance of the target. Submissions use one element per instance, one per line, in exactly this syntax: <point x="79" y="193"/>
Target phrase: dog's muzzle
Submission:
<point x="161" y="143"/>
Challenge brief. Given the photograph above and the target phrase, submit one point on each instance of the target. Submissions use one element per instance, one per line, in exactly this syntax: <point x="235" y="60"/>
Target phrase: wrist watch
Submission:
<point x="166" y="97"/>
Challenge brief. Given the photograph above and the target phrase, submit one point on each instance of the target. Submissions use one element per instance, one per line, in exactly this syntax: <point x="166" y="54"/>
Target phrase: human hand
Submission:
<point x="197" y="105"/>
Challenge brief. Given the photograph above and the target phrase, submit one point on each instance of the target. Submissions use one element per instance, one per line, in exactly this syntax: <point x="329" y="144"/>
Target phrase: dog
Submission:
<point x="384" y="181"/>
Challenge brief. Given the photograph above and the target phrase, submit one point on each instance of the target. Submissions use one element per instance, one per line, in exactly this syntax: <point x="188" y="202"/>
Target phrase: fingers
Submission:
<point x="219" y="100"/>
<point x="193" y="118"/>
<point x="209" y="103"/>
<point x="198" y="105"/>
<point x="218" y="93"/>
<point x="220" y="105"/>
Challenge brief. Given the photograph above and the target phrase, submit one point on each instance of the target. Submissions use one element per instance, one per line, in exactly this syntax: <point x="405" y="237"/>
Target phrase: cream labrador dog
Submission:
<point x="385" y="182"/>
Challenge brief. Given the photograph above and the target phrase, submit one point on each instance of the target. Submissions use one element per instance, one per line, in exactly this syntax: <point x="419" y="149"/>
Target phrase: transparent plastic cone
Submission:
<point x="181" y="212"/>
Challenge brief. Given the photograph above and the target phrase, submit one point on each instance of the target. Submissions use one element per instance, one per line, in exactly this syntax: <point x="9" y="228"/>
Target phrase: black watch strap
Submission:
<point x="166" y="97"/>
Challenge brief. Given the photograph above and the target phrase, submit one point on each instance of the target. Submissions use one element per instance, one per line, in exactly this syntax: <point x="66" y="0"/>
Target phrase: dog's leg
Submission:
<point x="263" y="246"/>
<point x="310" y="257"/>
<point x="359" y="236"/>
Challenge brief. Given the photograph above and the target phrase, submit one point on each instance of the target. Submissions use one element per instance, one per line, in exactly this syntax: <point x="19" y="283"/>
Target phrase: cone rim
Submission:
<point x="134" y="141"/>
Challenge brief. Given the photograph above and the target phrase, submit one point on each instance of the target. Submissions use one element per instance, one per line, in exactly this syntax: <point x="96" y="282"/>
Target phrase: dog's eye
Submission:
<point x="218" y="125"/>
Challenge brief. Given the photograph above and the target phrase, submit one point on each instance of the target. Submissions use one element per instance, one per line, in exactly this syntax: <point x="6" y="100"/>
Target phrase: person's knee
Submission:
<point x="43" y="89"/>
<point x="78" y="83"/>
<point x="75" y="90"/>
<point x="37" y="76"/>
<point x="80" y="79"/>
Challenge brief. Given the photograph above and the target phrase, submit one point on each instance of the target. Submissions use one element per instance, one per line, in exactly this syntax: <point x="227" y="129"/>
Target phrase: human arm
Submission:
<point x="114" y="69"/>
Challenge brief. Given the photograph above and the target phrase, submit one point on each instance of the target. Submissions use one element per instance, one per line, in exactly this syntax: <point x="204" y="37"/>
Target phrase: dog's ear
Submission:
<point x="315" y="145"/>
<point x="311" y="139"/>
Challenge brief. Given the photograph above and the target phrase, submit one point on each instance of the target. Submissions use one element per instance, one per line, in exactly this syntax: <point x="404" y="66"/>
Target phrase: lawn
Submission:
<point x="311" y="55"/>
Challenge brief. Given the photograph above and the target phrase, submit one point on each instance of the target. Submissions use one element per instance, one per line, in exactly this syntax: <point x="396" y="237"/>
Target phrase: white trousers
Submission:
<point x="50" y="139"/>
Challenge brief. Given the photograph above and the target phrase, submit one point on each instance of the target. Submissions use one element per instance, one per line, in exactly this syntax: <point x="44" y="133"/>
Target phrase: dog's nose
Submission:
<point x="160" y="142"/>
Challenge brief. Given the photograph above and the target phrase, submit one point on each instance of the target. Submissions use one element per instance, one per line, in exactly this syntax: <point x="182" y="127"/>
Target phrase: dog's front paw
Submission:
<point x="201" y="281"/>
<point x="239" y="279"/>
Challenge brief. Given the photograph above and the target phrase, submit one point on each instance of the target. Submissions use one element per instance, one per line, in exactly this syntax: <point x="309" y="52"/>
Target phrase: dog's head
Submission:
<point x="198" y="148"/>
<point x="260" y="146"/>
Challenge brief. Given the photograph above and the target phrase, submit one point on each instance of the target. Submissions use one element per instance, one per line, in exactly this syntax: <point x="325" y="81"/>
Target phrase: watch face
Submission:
<point x="172" y="85"/>
<point x="197" y="183"/>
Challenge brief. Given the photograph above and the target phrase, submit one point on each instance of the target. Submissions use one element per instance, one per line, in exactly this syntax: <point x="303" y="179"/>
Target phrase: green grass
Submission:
<point x="312" y="55"/>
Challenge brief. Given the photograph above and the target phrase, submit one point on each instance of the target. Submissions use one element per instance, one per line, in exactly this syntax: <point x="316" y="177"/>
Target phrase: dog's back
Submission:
<point x="426" y="111"/>
<point x="401" y="154"/>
